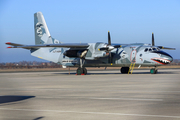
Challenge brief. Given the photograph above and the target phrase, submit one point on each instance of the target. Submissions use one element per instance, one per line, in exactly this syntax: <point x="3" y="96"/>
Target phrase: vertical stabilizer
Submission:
<point x="42" y="35"/>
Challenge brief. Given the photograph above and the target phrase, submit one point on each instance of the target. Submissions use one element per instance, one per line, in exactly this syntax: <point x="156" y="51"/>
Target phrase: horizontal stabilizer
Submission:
<point x="14" y="44"/>
<point x="66" y="45"/>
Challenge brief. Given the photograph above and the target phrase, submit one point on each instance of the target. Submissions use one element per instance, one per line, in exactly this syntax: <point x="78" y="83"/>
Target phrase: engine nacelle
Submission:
<point x="75" y="53"/>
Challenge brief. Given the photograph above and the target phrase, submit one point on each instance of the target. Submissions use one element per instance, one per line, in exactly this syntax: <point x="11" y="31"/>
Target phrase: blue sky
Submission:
<point x="129" y="21"/>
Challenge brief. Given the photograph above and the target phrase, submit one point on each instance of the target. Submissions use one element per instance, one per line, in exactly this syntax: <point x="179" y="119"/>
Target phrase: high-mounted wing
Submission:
<point x="167" y="48"/>
<point x="67" y="45"/>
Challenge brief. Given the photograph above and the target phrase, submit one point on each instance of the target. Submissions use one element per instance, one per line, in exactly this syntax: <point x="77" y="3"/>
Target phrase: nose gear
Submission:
<point x="153" y="71"/>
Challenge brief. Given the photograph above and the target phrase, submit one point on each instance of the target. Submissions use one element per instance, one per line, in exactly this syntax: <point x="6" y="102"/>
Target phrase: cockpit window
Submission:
<point x="154" y="49"/>
<point x="146" y="50"/>
<point x="151" y="49"/>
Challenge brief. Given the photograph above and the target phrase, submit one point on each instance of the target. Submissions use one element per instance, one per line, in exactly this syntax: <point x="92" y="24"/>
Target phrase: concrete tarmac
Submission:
<point x="100" y="95"/>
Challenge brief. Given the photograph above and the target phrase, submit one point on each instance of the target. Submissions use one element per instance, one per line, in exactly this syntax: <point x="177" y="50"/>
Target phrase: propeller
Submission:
<point x="109" y="47"/>
<point x="160" y="47"/>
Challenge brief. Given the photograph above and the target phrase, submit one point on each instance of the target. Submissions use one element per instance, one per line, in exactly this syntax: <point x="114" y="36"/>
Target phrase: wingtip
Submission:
<point x="9" y="47"/>
<point x="8" y="43"/>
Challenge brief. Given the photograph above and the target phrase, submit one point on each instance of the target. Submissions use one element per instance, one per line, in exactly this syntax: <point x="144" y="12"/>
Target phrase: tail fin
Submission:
<point x="42" y="35"/>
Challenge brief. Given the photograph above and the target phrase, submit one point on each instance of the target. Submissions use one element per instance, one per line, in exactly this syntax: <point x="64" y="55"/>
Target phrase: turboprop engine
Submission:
<point x="75" y="53"/>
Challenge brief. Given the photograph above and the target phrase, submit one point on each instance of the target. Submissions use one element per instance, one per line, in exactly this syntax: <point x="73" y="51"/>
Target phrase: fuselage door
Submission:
<point x="133" y="56"/>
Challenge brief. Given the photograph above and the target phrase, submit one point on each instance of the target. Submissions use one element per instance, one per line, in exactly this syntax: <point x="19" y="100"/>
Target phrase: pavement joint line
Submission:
<point x="98" y="113"/>
<point x="136" y="99"/>
<point x="59" y="89"/>
<point x="94" y="98"/>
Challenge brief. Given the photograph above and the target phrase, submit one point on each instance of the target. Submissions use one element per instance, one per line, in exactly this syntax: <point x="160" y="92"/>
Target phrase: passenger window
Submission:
<point x="146" y="50"/>
<point x="140" y="55"/>
<point x="124" y="52"/>
<point x="150" y="49"/>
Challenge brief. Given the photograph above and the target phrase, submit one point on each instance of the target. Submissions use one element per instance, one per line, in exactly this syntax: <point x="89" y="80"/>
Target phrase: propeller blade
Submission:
<point x="109" y="48"/>
<point x="161" y="47"/>
<point x="103" y="49"/>
<point x="117" y="46"/>
<point x="109" y="38"/>
<point x="153" y="39"/>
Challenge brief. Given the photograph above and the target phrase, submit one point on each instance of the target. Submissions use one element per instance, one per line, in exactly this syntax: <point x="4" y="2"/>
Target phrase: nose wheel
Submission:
<point x="153" y="71"/>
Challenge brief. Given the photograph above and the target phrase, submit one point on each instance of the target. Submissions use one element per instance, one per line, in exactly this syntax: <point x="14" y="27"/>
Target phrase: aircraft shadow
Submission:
<point x="87" y="73"/>
<point x="38" y="118"/>
<point x="13" y="98"/>
<point x="166" y="72"/>
<point x="154" y="74"/>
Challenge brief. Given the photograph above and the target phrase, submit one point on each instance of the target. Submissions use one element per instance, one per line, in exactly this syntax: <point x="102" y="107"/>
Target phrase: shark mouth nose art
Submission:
<point x="161" y="61"/>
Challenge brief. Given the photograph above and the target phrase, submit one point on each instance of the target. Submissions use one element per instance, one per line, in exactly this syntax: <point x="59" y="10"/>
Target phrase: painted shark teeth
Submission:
<point x="161" y="61"/>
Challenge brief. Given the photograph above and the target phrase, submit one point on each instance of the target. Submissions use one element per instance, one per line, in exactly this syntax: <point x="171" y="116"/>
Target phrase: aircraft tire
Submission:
<point x="124" y="70"/>
<point x="84" y="70"/>
<point x="153" y="71"/>
<point x="79" y="71"/>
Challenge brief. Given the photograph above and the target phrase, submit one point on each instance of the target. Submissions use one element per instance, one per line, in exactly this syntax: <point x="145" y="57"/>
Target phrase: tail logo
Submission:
<point x="56" y="41"/>
<point x="39" y="29"/>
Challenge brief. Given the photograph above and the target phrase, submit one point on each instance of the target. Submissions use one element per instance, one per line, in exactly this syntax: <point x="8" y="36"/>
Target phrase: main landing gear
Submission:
<point x="81" y="70"/>
<point x="124" y="70"/>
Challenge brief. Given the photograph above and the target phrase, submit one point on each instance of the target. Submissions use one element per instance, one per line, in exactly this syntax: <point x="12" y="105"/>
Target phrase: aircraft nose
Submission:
<point x="164" y="59"/>
<point x="170" y="58"/>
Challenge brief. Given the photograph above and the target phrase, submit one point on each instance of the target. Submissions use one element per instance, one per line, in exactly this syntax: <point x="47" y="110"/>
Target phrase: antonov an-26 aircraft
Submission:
<point x="98" y="54"/>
